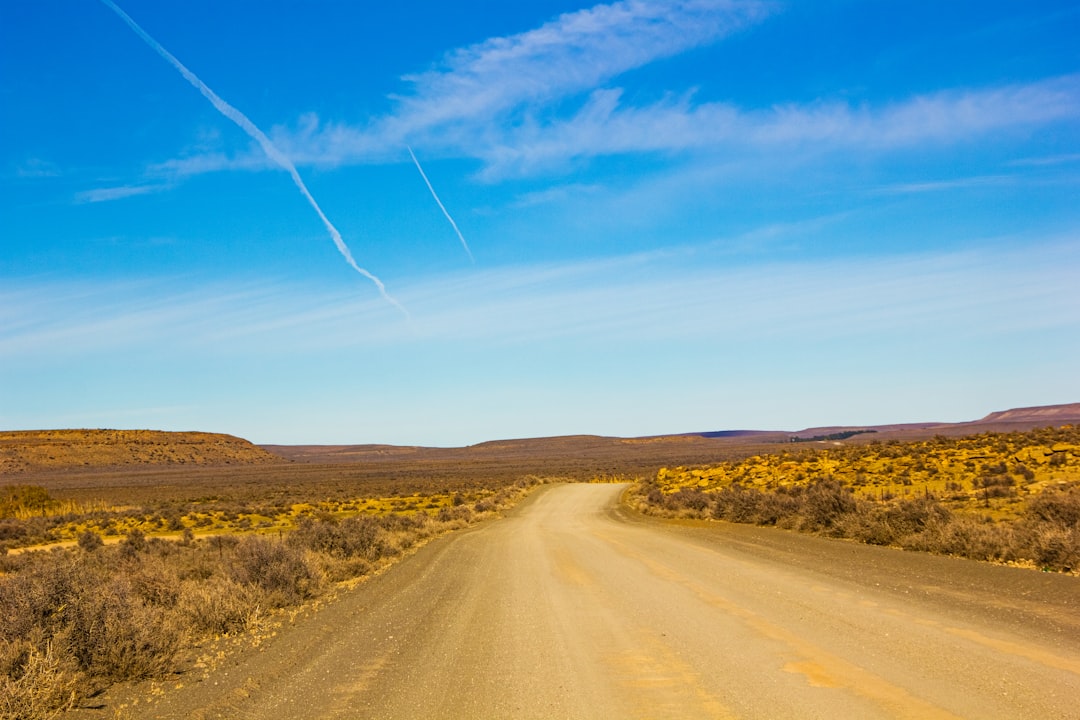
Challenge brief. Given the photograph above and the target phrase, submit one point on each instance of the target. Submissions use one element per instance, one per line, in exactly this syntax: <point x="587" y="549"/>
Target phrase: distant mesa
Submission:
<point x="1051" y="414"/>
<point x="43" y="450"/>
<point x="1017" y="419"/>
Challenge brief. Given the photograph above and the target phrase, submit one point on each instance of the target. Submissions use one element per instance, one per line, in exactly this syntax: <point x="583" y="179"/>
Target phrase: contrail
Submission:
<point x="441" y="206"/>
<point x="264" y="142"/>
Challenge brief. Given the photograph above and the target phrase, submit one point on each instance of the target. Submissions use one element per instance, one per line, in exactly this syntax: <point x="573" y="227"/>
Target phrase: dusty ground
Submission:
<point x="570" y="608"/>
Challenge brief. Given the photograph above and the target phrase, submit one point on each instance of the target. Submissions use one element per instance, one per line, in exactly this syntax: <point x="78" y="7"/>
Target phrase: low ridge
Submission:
<point x="1048" y="413"/>
<point x="29" y="450"/>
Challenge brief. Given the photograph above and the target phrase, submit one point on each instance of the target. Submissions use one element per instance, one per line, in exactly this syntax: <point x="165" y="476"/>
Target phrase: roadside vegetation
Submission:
<point x="135" y="592"/>
<point x="1002" y="497"/>
<point x="30" y="517"/>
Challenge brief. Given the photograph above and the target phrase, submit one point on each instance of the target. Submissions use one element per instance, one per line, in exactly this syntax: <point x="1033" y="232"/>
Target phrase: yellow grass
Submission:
<point x="221" y="522"/>
<point x="957" y="471"/>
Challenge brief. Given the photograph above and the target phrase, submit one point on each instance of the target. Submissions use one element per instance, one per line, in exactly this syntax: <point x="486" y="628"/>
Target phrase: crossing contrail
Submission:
<point x="441" y="206"/>
<point x="268" y="147"/>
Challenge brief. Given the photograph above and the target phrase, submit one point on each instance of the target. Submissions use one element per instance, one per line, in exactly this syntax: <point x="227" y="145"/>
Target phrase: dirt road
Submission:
<point x="569" y="609"/>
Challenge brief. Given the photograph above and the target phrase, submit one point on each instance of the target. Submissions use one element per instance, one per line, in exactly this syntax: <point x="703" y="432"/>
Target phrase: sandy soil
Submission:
<point x="572" y="608"/>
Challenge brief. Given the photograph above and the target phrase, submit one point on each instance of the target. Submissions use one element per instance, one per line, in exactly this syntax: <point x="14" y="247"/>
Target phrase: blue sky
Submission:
<point x="684" y="216"/>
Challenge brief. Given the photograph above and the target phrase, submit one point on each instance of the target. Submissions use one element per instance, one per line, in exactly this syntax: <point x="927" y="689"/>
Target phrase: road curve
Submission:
<point x="570" y="609"/>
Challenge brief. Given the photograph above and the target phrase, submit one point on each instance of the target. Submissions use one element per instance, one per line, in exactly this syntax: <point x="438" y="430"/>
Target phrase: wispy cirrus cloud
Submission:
<point x="604" y="126"/>
<point x="913" y="188"/>
<point x="573" y="53"/>
<point x="460" y="104"/>
<point x="37" y="168"/>
<point x="668" y="297"/>
<point x="557" y="194"/>
<point x="107" y="194"/>
<point x="537" y="101"/>
<point x="1048" y="160"/>
<point x="201" y="163"/>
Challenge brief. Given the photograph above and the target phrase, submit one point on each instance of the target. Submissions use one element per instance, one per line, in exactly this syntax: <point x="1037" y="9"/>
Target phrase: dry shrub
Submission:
<point x="1055" y="548"/>
<point x="685" y="502"/>
<point x="459" y="514"/>
<point x="280" y="570"/>
<point x="12" y="530"/>
<point x="891" y="524"/>
<point x="775" y="508"/>
<point x="1056" y="506"/>
<point x="116" y="635"/>
<point x="111" y="625"/>
<point x="867" y="526"/>
<point x="1052" y="522"/>
<point x="653" y="494"/>
<point x="975" y="538"/>
<point x="736" y="504"/>
<point x="155" y="582"/>
<point x="34" y="684"/>
<point x="690" y="501"/>
<point x="407" y="523"/>
<point x="90" y="540"/>
<point x="914" y="515"/>
<point x="38" y="598"/>
<point x="196" y="563"/>
<point x="346" y="569"/>
<point x="402" y="532"/>
<point x="823" y="505"/>
<point x="219" y="606"/>
<point x="352" y="537"/>
<point x="135" y="539"/>
<point x="749" y="505"/>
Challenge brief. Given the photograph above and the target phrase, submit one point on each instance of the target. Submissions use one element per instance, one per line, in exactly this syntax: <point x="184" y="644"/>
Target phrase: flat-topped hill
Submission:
<point x="1045" y="415"/>
<point x="30" y="450"/>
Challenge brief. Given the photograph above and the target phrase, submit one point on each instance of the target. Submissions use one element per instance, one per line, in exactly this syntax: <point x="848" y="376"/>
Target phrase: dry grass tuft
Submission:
<point x="34" y="684"/>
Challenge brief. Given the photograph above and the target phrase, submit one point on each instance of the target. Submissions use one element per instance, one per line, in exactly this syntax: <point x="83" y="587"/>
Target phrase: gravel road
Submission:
<point x="570" y="608"/>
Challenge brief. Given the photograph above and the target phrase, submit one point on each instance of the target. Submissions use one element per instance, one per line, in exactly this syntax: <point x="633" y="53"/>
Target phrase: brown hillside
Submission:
<point x="1048" y="414"/>
<point x="29" y="450"/>
<point x="1013" y="420"/>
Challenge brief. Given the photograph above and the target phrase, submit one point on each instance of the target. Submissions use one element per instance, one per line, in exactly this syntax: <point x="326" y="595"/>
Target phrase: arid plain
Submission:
<point x="196" y="575"/>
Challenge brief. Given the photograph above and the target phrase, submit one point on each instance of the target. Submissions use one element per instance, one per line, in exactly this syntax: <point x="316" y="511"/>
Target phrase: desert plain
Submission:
<point x="916" y="571"/>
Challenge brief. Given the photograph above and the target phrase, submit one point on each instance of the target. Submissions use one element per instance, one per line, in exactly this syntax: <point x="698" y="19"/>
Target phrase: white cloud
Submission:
<point x="460" y="105"/>
<point x="537" y="101"/>
<point x="557" y="194"/>
<point x="605" y="127"/>
<point x="673" y="297"/>
<point x="912" y="188"/>
<point x="1065" y="159"/>
<point x="573" y="53"/>
<point x="37" y="168"/>
<point x="108" y="194"/>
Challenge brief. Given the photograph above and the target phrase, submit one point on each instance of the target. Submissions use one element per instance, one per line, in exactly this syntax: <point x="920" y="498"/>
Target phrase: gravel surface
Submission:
<point x="573" y="608"/>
